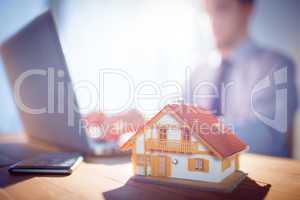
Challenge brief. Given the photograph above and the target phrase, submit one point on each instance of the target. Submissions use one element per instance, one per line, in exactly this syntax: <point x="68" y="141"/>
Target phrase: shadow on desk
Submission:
<point x="7" y="179"/>
<point x="248" y="189"/>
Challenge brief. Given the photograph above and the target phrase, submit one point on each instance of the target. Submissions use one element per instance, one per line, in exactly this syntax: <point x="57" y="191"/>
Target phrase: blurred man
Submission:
<point x="253" y="89"/>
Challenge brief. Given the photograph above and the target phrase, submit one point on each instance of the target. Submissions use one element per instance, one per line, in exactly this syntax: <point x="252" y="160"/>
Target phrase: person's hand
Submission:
<point x="109" y="128"/>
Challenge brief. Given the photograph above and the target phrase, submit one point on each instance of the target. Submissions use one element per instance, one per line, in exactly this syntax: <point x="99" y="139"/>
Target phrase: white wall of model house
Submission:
<point x="180" y="170"/>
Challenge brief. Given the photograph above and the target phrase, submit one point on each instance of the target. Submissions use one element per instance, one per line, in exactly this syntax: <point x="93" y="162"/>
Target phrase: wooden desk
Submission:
<point x="108" y="179"/>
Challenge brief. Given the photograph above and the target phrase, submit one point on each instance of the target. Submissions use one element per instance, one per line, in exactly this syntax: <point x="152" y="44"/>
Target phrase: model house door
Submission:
<point x="160" y="166"/>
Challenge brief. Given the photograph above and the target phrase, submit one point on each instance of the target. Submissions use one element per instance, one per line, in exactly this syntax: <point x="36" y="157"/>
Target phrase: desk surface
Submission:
<point x="107" y="178"/>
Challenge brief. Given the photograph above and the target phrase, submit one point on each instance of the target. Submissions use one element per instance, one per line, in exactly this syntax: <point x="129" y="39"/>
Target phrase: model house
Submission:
<point x="185" y="142"/>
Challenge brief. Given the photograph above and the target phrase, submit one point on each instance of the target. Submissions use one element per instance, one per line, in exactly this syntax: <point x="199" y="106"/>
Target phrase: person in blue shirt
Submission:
<point x="253" y="88"/>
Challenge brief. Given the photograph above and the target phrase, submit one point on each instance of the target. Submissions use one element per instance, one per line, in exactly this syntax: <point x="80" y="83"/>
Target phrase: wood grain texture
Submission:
<point x="108" y="178"/>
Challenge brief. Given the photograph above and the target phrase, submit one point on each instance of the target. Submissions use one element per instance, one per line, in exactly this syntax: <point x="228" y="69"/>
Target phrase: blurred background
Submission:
<point x="150" y="40"/>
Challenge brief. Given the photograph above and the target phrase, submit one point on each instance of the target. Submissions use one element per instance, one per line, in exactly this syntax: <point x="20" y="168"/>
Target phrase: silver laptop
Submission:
<point x="39" y="76"/>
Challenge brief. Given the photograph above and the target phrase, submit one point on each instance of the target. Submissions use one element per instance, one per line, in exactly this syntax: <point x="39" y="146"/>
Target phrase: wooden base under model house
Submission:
<point x="170" y="146"/>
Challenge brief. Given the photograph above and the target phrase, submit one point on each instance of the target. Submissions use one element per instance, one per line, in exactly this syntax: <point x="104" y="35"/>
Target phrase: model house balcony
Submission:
<point x="171" y="146"/>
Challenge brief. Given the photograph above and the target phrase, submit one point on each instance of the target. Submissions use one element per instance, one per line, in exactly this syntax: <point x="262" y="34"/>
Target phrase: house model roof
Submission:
<point x="205" y="126"/>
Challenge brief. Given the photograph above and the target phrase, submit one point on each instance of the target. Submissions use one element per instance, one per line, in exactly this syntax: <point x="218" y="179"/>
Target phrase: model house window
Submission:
<point x="162" y="133"/>
<point x="198" y="164"/>
<point x="226" y="164"/>
<point x="186" y="135"/>
<point x="140" y="159"/>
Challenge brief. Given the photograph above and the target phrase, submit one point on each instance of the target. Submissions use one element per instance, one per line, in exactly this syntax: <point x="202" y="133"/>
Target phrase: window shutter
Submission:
<point x="153" y="165"/>
<point x="205" y="165"/>
<point x="226" y="164"/>
<point x="169" y="166"/>
<point x="191" y="164"/>
<point x="237" y="162"/>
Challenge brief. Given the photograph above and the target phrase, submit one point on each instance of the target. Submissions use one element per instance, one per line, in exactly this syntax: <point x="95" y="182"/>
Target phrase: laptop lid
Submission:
<point x="42" y="86"/>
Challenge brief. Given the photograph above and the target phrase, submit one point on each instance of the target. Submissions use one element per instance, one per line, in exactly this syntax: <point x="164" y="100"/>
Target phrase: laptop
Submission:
<point x="46" y="101"/>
